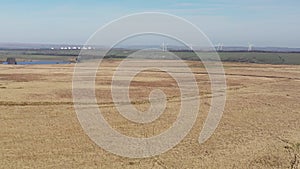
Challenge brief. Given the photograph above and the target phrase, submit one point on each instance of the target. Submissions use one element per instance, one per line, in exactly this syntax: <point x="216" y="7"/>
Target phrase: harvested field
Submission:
<point x="260" y="127"/>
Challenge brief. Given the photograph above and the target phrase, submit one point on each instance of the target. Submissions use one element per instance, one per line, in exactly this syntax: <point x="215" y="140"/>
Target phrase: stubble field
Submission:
<point x="260" y="127"/>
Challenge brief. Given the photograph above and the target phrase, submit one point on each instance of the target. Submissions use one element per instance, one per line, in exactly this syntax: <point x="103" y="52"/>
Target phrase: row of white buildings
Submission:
<point x="74" y="48"/>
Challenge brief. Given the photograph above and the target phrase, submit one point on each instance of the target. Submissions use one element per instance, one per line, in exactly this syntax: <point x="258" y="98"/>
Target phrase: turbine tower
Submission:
<point x="164" y="46"/>
<point x="250" y="47"/>
<point x="220" y="47"/>
<point x="191" y="47"/>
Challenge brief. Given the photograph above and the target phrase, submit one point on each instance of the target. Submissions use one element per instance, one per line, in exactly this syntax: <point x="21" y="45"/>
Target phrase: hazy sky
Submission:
<point x="233" y="22"/>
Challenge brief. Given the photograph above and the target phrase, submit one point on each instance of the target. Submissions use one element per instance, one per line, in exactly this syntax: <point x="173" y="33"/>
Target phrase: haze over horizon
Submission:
<point x="234" y="23"/>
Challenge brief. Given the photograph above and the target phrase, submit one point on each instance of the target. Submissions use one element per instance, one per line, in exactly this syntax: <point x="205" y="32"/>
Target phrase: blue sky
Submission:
<point x="233" y="22"/>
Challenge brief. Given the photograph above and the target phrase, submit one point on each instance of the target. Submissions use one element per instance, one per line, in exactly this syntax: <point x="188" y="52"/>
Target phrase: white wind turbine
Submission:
<point x="220" y="47"/>
<point x="164" y="46"/>
<point x="250" y="47"/>
<point x="191" y="47"/>
<point x="222" y="44"/>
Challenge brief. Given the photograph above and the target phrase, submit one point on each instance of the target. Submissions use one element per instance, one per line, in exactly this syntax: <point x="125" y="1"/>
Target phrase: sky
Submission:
<point x="232" y="22"/>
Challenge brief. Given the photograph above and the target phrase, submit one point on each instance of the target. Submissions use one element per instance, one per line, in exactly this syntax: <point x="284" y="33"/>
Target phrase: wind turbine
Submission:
<point x="250" y="47"/>
<point x="191" y="47"/>
<point x="164" y="46"/>
<point x="220" y="47"/>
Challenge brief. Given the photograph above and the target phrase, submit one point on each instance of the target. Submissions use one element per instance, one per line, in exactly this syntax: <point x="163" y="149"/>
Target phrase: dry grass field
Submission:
<point x="260" y="127"/>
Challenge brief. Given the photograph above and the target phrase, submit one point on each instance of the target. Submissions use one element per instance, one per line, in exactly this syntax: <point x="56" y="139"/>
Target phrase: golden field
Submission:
<point x="260" y="127"/>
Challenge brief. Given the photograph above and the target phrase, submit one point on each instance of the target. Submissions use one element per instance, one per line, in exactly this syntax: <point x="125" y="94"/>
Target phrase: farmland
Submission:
<point x="259" y="128"/>
<point x="247" y="57"/>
